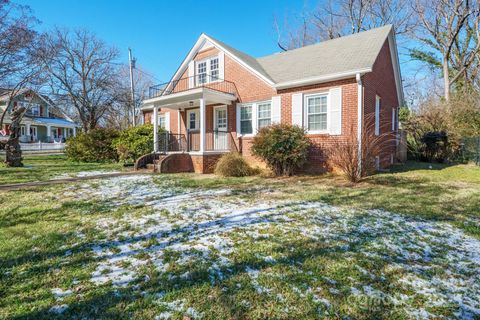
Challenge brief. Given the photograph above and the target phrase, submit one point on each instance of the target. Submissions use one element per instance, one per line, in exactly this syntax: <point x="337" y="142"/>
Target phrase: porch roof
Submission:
<point x="182" y="99"/>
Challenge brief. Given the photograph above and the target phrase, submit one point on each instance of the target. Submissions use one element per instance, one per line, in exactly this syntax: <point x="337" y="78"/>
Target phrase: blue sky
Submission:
<point x="161" y="32"/>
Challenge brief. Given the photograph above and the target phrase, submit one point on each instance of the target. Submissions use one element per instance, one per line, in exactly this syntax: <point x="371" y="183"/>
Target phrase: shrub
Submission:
<point x="343" y="154"/>
<point x="283" y="147"/>
<point x="94" y="146"/>
<point x="134" y="142"/>
<point x="233" y="165"/>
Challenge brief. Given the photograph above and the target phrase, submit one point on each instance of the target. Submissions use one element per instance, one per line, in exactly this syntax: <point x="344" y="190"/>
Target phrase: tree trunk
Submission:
<point x="446" y="78"/>
<point x="13" y="153"/>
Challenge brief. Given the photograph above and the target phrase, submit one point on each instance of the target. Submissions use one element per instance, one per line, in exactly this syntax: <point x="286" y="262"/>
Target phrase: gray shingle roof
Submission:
<point x="349" y="53"/>
<point x="249" y="60"/>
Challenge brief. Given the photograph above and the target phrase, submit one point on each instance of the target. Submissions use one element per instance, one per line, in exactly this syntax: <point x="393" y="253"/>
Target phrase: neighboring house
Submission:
<point x="219" y="97"/>
<point x="42" y="121"/>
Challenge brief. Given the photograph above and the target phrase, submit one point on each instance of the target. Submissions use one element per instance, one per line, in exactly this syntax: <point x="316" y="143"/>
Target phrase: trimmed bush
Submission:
<point x="134" y="142"/>
<point x="233" y="165"/>
<point x="283" y="147"/>
<point x="94" y="146"/>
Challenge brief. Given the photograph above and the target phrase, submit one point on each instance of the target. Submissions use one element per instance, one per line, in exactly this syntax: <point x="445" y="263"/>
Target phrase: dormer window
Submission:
<point x="208" y="70"/>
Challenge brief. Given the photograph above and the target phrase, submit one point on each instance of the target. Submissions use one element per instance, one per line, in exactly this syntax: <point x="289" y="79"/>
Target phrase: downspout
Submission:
<point x="359" y="120"/>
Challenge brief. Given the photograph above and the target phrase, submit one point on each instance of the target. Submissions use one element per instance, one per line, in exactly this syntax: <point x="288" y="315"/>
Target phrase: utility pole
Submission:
<point x="132" y="66"/>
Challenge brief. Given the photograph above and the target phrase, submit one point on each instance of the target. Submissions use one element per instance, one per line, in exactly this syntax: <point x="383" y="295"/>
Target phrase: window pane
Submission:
<point x="161" y="121"/>
<point x="264" y="115"/>
<point x="221" y="119"/>
<point x="214" y="69"/>
<point x="202" y="72"/>
<point x="246" y="113"/>
<point x="263" y="123"/>
<point x="317" y="113"/>
<point x="192" y="121"/>
<point x="246" y="127"/>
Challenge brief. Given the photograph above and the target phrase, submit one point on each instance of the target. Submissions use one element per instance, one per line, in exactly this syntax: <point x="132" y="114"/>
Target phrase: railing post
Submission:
<point x="202" y="124"/>
<point x="155" y="129"/>
<point x="166" y="141"/>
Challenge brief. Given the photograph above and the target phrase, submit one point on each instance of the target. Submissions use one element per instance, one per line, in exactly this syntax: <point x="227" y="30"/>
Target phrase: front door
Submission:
<point x="220" y="128"/>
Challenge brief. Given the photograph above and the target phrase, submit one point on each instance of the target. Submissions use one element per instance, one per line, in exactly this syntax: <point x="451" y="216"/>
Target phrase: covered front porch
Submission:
<point x="200" y="121"/>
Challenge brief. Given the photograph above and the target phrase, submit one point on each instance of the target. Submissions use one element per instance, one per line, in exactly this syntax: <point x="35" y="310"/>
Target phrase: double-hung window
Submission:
<point x="317" y="112"/>
<point x="208" y="70"/>
<point x="34" y="109"/>
<point x="246" y="125"/>
<point x="202" y="72"/>
<point x="264" y="114"/>
<point x="214" y="69"/>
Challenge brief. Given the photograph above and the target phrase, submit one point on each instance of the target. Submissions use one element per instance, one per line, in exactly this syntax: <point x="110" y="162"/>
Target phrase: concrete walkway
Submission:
<point x="17" y="186"/>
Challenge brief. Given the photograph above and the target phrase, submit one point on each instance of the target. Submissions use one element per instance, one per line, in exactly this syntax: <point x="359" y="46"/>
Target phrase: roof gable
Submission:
<point x="325" y="61"/>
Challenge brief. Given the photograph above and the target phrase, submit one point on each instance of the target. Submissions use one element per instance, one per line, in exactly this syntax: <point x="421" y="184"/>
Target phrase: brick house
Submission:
<point x="219" y="97"/>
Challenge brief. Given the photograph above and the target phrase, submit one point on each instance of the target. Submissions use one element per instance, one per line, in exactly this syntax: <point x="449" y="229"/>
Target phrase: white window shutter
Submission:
<point x="167" y="121"/>
<point x="393" y="119"/>
<point x="297" y="109"/>
<point x="221" y="65"/>
<point x="276" y="111"/>
<point x="377" y="115"/>
<point x="238" y="118"/>
<point x="191" y="74"/>
<point x="334" y="116"/>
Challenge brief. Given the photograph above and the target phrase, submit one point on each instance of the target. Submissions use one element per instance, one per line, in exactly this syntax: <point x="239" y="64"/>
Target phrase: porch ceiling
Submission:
<point x="182" y="100"/>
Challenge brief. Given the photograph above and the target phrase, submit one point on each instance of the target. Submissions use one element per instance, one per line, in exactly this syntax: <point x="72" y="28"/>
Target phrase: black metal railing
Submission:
<point x="189" y="83"/>
<point x="169" y="142"/>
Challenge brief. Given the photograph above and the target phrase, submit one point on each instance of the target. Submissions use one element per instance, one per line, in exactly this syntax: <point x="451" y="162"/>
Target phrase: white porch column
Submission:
<point x="27" y="132"/>
<point x="49" y="133"/>
<point x="155" y="129"/>
<point x="202" y="124"/>
<point x="74" y="131"/>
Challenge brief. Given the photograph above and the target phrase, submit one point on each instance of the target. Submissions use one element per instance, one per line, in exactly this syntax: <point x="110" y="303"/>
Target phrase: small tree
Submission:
<point x="283" y="147"/>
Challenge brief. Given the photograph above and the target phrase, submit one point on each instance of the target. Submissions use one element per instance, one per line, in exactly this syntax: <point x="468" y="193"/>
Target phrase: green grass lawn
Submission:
<point x="41" y="168"/>
<point x="399" y="245"/>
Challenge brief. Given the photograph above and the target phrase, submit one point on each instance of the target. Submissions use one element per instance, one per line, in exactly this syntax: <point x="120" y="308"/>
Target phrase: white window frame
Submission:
<point x="215" y="118"/>
<point x="254" y="119"/>
<point x="265" y="118"/>
<point x="378" y="113"/>
<point x="305" y="111"/>
<point x="251" y="105"/>
<point x="23" y="130"/>
<point x="32" y="106"/>
<point x="164" y="117"/>
<point x="394" y="119"/>
<point x="197" y="119"/>
<point x="208" y="70"/>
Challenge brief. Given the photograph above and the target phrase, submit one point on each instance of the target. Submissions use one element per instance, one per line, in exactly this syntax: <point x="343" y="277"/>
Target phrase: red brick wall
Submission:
<point x="381" y="82"/>
<point x="251" y="88"/>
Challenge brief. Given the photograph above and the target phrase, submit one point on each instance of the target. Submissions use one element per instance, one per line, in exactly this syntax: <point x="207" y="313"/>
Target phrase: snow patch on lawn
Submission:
<point x="198" y="225"/>
<point x="59" y="309"/>
<point x="60" y="294"/>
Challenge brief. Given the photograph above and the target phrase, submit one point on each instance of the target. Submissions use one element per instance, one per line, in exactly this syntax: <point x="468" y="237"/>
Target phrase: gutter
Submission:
<point x="358" y="77"/>
<point x="320" y="79"/>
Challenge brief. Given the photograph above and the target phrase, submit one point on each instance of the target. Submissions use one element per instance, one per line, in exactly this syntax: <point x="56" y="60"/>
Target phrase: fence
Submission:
<point x="470" y="150"/>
